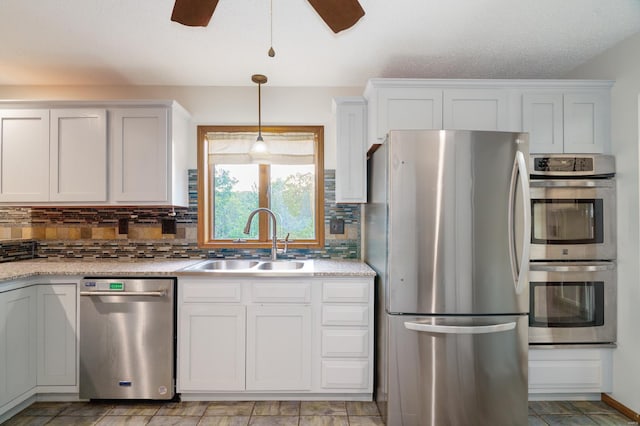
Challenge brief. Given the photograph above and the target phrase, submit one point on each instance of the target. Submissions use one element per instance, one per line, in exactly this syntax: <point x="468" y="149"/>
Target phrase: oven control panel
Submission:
<point x="571" y="166"/>
<point x="563" y="164"/>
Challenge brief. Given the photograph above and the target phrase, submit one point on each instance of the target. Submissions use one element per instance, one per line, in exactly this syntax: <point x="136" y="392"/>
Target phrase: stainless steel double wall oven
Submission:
<point x="573" y="249"/>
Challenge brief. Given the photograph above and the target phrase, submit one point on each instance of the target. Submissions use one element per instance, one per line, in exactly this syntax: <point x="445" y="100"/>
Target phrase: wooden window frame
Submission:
<point x="205" y="191"/>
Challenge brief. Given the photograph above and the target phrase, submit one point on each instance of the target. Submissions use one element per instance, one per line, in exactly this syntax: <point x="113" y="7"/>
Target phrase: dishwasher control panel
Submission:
<point x="103" y="285"/>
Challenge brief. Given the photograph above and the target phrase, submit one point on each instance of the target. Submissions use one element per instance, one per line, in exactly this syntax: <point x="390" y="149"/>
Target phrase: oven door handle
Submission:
<point x="519" y="270"/>
<point x="573" y="268"/>
<point x="457" y="329"/>
<point x="572" y="183"/>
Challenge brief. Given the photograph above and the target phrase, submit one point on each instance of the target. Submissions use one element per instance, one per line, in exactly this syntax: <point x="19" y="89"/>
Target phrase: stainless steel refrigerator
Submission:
<point x="447" y="229"/>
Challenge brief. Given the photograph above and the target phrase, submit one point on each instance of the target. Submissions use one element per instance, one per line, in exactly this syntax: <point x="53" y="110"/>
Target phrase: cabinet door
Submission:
<point x="17" y="343"/>
<point x="542" y="119"/>
<point x="475" y="109"/>
<point x="57" y="335"/>
<point x="278" y="347"/>
<point x="405" y="108"/>
<point x="140" y="154"/>
<point x="78" y="160"/>
<point x="24" y="155"/>
<point x="351" y="162"/>
<point x="211" y="347"/>
<point x="586" y="123"/>
<point x="556" y="371"/>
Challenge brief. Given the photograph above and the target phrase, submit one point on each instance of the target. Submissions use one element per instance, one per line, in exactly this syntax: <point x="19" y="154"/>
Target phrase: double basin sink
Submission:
<point x="252" y="267"/>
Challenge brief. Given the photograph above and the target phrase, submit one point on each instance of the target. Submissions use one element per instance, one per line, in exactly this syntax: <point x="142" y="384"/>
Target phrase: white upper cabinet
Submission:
<point x="542" y="119"/>
<point x="148" y="155"/>
<point x="586" y="122"/>
<point x="140" y="152"/>
<point x="24" y="155"/>
<point x="571" y="119"/>
<point x="61" y="153"/>
<point x="78" y="155"/>
<point x="475" y="109"/>
<point x="56" y="155"/>
<point x="351" y="143"/>
<point x="405" y="104"/>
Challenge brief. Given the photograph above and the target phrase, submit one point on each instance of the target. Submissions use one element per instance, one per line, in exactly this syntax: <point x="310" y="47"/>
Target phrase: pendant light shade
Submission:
<point x="259" y="147"/>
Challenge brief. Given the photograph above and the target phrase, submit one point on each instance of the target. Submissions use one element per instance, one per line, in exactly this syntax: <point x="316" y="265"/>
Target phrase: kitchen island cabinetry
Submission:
<point x="57" y="155"/>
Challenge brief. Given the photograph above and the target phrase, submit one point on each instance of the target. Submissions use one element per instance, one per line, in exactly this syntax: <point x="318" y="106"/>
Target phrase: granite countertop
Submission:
<point x="170" y="267"/>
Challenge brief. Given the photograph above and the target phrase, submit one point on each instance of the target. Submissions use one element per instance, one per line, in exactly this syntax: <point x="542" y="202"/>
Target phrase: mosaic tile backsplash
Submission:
<point x="148" y="232"/>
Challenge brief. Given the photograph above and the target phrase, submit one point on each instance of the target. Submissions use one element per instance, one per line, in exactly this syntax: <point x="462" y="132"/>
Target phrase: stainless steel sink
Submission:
<point x="221" y="265"/>
<point x="281" y="265"/>
<point x="252" y="267"/>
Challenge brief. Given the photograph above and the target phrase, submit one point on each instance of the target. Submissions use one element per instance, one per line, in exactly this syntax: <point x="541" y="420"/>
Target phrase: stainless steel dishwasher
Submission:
<point x="127" y="338"/>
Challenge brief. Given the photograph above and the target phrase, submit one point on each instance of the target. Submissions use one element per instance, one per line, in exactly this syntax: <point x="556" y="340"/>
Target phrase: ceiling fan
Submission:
<point x="337" y="14"/>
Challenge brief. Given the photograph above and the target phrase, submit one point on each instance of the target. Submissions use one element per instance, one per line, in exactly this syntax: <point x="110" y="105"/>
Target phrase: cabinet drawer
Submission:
<point x="345" y="343"/>
<point x="341" y="374"/>
<point x="345" y="315"/>
<point x="211" y="291"/>
<point x="346" y="291"/>
<point x="278" y="292"/>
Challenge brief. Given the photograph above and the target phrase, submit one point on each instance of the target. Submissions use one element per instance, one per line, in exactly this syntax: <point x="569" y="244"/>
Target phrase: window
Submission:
<point x="232" y="182"/>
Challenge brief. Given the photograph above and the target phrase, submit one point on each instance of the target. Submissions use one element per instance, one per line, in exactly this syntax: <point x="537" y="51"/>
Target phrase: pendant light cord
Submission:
<point x="259" y="112"/>
<point x="271" y="52"/>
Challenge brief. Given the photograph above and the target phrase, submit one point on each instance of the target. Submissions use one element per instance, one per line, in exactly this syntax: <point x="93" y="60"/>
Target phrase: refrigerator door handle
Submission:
<point x="455" y="329"/>
<point x="519" y="274"/>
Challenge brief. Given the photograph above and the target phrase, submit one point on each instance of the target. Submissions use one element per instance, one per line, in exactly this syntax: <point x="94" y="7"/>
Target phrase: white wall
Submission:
<point x="622" y="64"/>
<point x="217" y="105"/>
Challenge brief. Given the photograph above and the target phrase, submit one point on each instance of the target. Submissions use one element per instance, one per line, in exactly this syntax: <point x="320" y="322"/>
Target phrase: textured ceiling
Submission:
<point x="122" y="42"/>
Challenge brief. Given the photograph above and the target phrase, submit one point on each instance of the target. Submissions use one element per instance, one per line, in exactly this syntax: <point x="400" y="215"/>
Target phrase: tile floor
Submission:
<point x="218" y="413"/>
<point x="578" y="413"/>
<point x="276" y="413"/>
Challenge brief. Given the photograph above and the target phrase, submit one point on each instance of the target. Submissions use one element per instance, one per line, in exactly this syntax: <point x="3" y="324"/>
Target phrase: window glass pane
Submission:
<point x="236" y="195"/>
<point x="292" y="198"/>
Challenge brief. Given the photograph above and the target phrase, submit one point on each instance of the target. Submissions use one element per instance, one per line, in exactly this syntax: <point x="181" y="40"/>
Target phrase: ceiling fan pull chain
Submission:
<point x="271" y="52"/>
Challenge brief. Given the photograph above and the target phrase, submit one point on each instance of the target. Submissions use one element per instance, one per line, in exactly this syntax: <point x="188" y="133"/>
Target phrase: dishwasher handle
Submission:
<point x="124" y="293"/>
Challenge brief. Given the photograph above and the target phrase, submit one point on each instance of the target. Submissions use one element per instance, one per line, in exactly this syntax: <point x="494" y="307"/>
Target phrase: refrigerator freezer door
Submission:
<point x="449" y="374"/>
<point x="449" y="206"/>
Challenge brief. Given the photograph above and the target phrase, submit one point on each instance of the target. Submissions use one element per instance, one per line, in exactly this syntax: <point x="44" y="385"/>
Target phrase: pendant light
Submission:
<point x="259" y="146"/>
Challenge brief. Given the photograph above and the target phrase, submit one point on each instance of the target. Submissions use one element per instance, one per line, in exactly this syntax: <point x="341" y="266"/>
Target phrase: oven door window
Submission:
<point x="566" y="221"/>
<point x="566" y="304"/>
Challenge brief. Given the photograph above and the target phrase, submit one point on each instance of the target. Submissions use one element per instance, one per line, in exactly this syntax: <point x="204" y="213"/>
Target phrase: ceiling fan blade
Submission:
<point x="194" y="13"/>
<point x="338" y="14"/>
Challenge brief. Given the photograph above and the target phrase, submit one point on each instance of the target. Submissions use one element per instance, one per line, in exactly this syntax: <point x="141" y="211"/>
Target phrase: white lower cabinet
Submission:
<point x="17" y="343"/>
<point x="38" y="344"/>
<point x="347" y="336"/>
<point x="288" y="335"/>
<point x="569" y="371"/>
<point x="57" y="348"/>
<point x="212" y="347"/>
<point x="279" y="347"/>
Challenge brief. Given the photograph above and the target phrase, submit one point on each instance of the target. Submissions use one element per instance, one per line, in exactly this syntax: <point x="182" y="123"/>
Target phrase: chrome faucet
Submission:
<point x="274" y="241"/>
